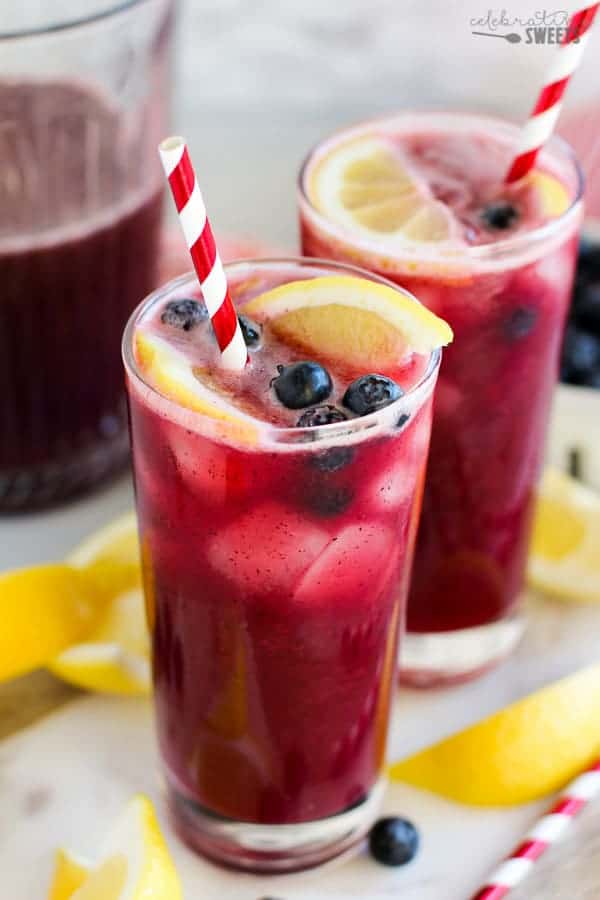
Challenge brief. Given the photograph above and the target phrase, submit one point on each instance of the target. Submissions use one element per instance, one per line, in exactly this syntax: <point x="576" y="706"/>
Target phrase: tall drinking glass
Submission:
<point x="276" y="565"/>
<point x="83" y="101"/>
<point x="504" y="287"/>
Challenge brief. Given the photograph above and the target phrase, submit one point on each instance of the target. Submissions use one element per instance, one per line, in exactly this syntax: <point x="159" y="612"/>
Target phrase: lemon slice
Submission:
<point x="115" y="656"/>
<point x="70" y="873"/>
<point x="134" y="864"/>
<point x="530" y="749"/>
<point x="553" y="195"/>
<point x="342" y="317"/>
<point x="367" y="184"/>
<point x="170" y="372"/>
<point x="564" y="558"/>
<point x="49" y="608"/>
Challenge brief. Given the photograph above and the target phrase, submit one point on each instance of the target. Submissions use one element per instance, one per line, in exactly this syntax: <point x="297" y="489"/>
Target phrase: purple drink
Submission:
<point x="80" y="212"/>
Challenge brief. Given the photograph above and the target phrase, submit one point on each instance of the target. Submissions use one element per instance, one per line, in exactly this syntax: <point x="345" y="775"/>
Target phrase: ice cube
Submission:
<point x="212" y="471"/>
<point x="351" y="567"/>
<point x="268" y="548"/>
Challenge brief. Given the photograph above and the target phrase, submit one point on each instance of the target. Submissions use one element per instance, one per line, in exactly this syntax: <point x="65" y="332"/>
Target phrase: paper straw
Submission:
<point x="549" y="829"/>
<point x="547" y="109"/>
<point x="205" y="257"/>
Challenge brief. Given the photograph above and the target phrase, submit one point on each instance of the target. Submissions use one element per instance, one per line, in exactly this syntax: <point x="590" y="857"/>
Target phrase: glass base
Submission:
<point x="39" y="486"/>
<point x="450" y="657"/>
<point x="272" y="848"/>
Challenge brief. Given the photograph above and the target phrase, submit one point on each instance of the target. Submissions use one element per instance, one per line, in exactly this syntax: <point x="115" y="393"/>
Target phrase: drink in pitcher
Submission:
<point x="80" y="213"/>
<point x="277" y="511"/>
<point x="420" y="199"/>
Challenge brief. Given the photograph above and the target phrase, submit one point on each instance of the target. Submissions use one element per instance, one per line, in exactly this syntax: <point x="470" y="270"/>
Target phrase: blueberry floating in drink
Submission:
<point x="302" y="384"/>
<point x="371" y="392"/>
<point x="251" y="332"/>
<point x="185" y="314"/>
<point x="500" y="215"/>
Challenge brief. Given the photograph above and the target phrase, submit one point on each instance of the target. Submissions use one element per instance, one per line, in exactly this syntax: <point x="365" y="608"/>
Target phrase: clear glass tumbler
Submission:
<point x="276" y="565"/>
<point x="506" y="302"/>
<point x="83" y="99"/>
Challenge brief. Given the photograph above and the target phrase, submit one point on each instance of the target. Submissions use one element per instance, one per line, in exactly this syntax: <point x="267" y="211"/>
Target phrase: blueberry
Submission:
<point x="251" y="331"/>
<point x="329" y="499"/>
<point x="371" y="392"/>
<point x="333" y="459"/>
<point x="321" y="415"/>
<point x="500" y="215"/>
<point x="592" y="379"/>
<point x="588" y="260"/>
<point x="393" y="841"/>
<point x="302" y="384"/>
<point x="185" y="314"/>
<point x="580" y="356"/>
<point x="587" y="309"/>
<point x="519" y="322"/>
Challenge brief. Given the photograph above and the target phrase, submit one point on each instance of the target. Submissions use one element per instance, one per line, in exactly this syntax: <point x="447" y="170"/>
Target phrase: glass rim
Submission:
<point x="480" y="252"/>
<point x="287" y="434"/>
<point x="71" y="23"/>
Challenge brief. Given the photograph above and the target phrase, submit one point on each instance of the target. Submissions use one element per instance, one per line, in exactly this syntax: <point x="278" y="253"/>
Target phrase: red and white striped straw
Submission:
<point x="547" y="831"/>
<point x="203" y="250"/>
<point x="547" y="109"/>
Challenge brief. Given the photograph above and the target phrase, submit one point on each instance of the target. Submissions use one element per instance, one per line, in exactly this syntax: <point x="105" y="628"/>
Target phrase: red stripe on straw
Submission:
<point x="182" y="180"/>
<point x="496" y="892"/>
<point x="530" y="849"/>
<point x="224" y="322"/>
<point x="523" y="164"/>
<point x="204" y="251"/>
<point x="568" y="806"/>
<point x="549" y="95"/>
<point x="579" y="23"/>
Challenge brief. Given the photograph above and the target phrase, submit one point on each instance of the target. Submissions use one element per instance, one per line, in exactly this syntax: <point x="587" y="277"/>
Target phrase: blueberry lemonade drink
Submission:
<point x="278" y="510"/>
<point x="420" y="198"/>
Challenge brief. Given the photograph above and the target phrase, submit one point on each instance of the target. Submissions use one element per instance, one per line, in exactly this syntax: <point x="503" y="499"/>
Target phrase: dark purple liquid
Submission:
<point x="78" y="248"/>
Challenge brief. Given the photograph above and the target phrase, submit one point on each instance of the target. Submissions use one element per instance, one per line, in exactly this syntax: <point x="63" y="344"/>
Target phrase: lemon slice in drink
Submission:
<point x="564" y="558"/>
<point x="553" y="196"/>
<point x="170" y="372"/>
<point x="133" y="865"/>
<point x="351" y="319"/>
<point x="368" y="185"/>
<point x="530" y="749"/>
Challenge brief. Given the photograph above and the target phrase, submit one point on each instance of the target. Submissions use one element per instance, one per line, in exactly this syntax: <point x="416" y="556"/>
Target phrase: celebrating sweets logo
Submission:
<point x="543" y="27"/>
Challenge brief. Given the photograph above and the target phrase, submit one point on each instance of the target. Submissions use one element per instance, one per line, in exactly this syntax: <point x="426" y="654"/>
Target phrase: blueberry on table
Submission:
<point x="321" y="415"/>
<point x="184" y="314"/>
<point x="371" y="392"/>
<point x="580" y="362"/>
<point x="500" y="215"/>
<point x="393" y="841"/>
<point x="250" y="331"/>
<point x="302" y="384"/>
